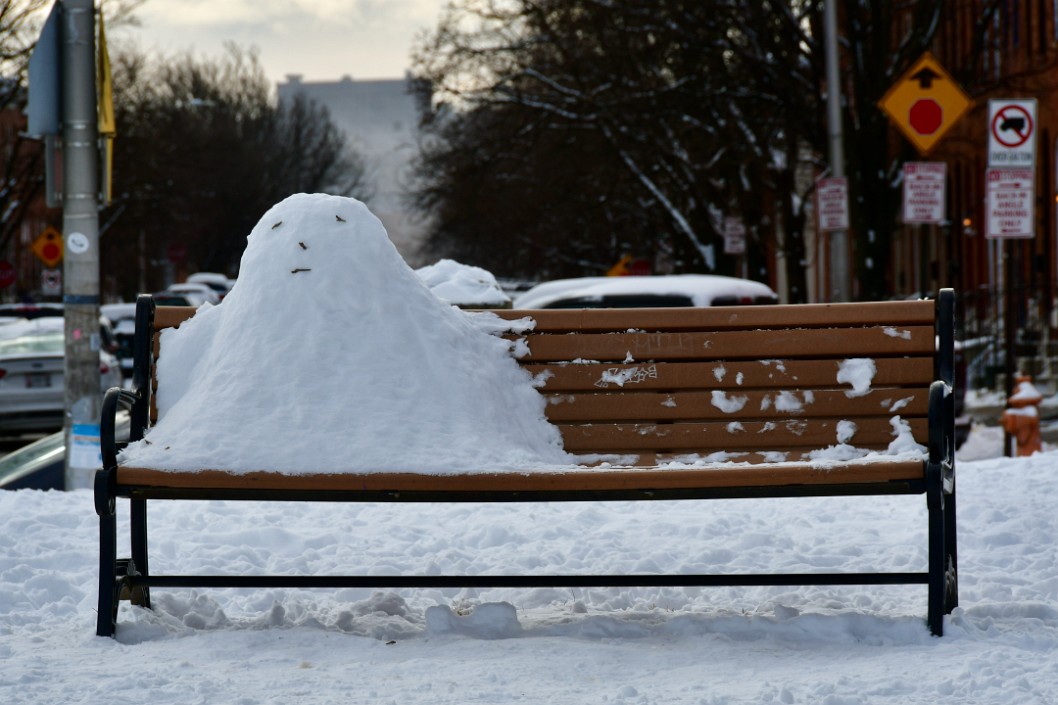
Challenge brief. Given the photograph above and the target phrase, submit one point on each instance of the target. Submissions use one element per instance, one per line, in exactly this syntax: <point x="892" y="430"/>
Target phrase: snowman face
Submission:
<point x="330" y="245"/>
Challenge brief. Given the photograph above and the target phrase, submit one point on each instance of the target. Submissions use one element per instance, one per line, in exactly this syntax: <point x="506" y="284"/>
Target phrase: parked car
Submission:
<point x="463" y="285"/>
<point x="32" y="361"/>
<point x="122" y="318"/>
<point x="173" y="298"/>
<point x="646" y="291"/>
<point x="218" y="282"/>
<point x="198" y="294"/>
<point x="15" y="313"/>
<point x="30" y="311"/>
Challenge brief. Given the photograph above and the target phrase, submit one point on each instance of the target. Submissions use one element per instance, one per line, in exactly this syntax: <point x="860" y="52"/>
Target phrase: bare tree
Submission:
<point x="671" y="114"/>
<point x="615" y="87"/>
<point x="21" y="156"/>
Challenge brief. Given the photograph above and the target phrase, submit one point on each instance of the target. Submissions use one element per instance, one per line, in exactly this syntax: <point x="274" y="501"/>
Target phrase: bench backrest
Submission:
<point x="745" y="383"/>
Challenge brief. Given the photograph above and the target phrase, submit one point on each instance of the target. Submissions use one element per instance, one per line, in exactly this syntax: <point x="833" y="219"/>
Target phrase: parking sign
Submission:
<point x="1010" y="203"/>
<point x="924" y="184"/>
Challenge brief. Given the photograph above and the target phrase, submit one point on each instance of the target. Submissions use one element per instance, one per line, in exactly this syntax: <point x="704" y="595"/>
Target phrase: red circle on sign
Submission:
<point x="50" y="251"/>
<point x="1012" y="126"/>
<point x="7" y="274"/>
<point x="925" y="116"/>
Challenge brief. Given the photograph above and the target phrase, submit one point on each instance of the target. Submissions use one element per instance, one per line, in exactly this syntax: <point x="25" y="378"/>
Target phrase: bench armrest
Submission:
<point x="114" y="400"/>
<point x="942" y="433"/>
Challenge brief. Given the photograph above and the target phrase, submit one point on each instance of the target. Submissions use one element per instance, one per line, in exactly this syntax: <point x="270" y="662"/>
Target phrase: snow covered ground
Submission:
<point x="831" y="645"/>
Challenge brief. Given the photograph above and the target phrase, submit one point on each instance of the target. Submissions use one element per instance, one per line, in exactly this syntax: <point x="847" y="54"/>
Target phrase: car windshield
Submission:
<point x="623" y="301"/>
<point x="30" y="344"/>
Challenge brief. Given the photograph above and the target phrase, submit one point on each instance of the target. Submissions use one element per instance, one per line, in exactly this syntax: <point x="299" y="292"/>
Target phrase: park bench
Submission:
<point x="747" y="391"/>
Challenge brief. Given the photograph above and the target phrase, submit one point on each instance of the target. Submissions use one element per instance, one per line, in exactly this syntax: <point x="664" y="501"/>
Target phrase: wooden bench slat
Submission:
<point x="728" y="345"/>
<point x="171" y="316"/>
<point x="740" y="374"/>
<point x="717" y="476"/>
<point x="730" y="317"/>
<point x="706" y="405"/>
<point x="810" y="434"/>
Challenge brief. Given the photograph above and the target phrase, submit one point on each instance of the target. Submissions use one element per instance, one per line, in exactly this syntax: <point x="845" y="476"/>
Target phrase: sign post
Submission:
<point x="924" y="187"/>
<point x="80" y="225"/>
<point x="924" y="103"/>
<point x="734" y="236"/>
<point x="1010" y="190"/>
<point x="735" y="241"/>
<point x="63" y="106"/>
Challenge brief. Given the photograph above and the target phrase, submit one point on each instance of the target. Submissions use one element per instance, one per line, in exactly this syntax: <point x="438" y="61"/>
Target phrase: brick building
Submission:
<point x="1015" y="57"/>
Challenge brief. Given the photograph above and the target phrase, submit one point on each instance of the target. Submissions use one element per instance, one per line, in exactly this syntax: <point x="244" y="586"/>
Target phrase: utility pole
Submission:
<point x="80" y="219"/>
<point x="839" y="250"/>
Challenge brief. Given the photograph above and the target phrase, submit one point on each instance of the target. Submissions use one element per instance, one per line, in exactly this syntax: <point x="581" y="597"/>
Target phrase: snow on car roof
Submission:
<point x="702" y="289"/>
<point x="115" y="312"/>
<point x="17" y="328"/>
<point x="462" y="284"/>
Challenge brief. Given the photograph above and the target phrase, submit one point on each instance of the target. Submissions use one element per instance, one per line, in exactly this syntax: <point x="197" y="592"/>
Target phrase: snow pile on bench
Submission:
<point x="331" y="355"/>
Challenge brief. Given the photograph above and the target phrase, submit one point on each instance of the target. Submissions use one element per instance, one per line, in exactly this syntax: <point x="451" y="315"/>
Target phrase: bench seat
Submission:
<point x="754" y="479"/>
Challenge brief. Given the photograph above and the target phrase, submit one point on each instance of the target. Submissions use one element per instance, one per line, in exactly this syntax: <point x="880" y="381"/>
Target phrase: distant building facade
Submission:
<point x="380" y="120"/>
<point x="1016" y="58"/>
<point x="1004" y="51"/>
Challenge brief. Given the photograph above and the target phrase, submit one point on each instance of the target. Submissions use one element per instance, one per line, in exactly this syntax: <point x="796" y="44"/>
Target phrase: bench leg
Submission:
<point x="114" y="573"/>
<point x="141" y="595"/>
<point x="951" y="596"/>
<point x="109" y="582"/>
<point x="943" y="580"/>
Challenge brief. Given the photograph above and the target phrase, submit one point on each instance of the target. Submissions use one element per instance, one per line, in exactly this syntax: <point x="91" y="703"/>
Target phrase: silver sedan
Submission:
<point x="31" y="375"/>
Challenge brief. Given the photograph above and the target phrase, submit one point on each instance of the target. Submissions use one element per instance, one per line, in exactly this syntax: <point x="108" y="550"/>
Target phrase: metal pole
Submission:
<point x="80" y="221"/>
<point x="1010" y="364"/>
<point x="839" y="250"/>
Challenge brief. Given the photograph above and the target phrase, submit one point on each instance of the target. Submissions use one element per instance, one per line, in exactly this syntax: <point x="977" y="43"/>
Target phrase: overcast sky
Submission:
<point x="321" y="39"/>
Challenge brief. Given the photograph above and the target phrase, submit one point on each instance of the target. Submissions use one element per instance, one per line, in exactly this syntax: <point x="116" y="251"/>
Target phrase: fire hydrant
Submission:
<point x="1021" y="418"/>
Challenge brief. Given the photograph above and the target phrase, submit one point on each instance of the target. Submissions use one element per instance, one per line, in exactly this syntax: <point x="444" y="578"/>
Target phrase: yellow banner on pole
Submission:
<point x="105" y="99"/>
<point x="105" y="84"/>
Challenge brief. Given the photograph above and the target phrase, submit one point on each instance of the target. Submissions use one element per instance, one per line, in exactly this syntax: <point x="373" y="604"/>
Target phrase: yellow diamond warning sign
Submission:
<point x="48" y="247"/>
<point x="924" y="103"/>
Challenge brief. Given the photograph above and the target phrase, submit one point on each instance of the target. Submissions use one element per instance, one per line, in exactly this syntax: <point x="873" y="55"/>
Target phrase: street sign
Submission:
<point x="924" y="103"/>
<point x="734" y="236"/>
<point x="48" y="247"/>
<point x="1012" y="133"/>
<point x="924" y="187"/>
<point x="832" y="203"/>
<point x="51" y="282"/>
<point x="1010" y="203"/>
